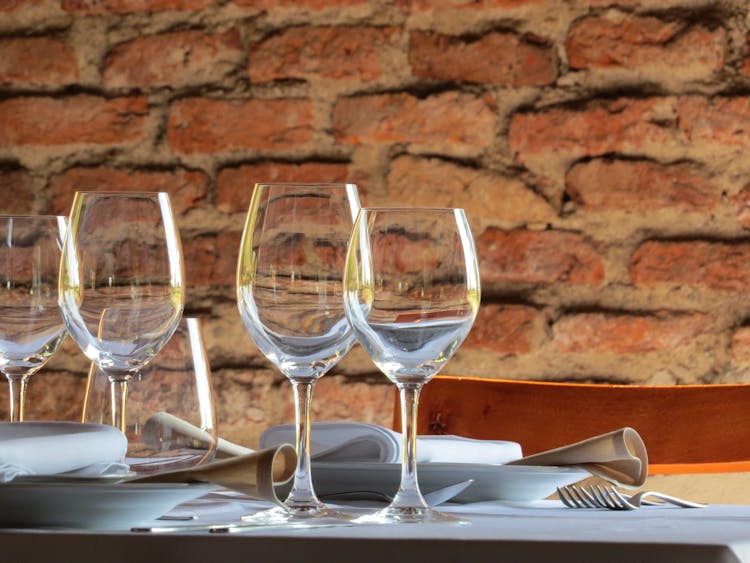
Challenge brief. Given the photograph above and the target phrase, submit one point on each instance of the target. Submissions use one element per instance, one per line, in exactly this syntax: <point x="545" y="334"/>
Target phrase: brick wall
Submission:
<point x="600" y="147"/>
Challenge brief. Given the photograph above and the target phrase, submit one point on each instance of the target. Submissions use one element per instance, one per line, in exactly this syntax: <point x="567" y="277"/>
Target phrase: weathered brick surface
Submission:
<point x="628" y="333"/>
<point x="506" y="329"/>
<point x="37" y="61"/>
<point x="206" y="125"/>
<point x="211" y="260"/>
<point x="97" y="7"/>
<point x="234" y="185"/>
<point x="505" y="59"/>
<point x="523" y="256"/>
<point x="450" y="120"/>
<point x="337" y="53"/>
<point x="721" y="266"/>
<point x="640" y="186"/>
<point x="17" y="187"/>
<point x="72" y="120"/>
<point x="618" y="40"/>
<point x="413" y="181"/>
<point x="186" y="189"/>
<point x="173" y="59"/>
<point x="599" y="147"/>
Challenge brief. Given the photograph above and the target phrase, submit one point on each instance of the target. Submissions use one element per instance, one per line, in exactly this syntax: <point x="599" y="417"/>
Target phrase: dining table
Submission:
<point x="493" y="531"/>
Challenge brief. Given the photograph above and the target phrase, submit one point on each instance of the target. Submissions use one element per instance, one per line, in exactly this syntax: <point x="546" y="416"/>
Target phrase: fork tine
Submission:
<point x="621" y="499"/>
<point x="565" y="498"/>
<point x="610" y="501"/>
<point x="590" y="497"/>
<point x="583" y="498"/>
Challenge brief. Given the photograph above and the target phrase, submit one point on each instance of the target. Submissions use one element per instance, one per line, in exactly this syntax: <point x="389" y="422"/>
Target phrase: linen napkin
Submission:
<point x="618" y="456"/>
<point x="356" y="441"/>
<point x="50" y="448"/>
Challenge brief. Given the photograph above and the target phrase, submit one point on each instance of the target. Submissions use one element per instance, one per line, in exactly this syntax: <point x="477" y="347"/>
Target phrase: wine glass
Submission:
<point x="31" y="328"/>
<point x="121" y="283"/>
<point x="411" y="293"/>
<point x="171" y="421"/>
<point x="289" y="295"/>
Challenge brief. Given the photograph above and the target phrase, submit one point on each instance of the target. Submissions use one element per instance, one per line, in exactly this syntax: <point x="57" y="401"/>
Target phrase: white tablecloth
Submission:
<point x="543" y="531"/>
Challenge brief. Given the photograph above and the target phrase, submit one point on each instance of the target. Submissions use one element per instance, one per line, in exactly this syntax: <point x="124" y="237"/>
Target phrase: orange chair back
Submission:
<point x="686" y="429"/>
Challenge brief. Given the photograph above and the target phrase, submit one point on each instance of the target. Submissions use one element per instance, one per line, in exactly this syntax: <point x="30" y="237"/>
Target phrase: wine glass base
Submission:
<point x="299" y="516"/>
<point x="411" y="515"/>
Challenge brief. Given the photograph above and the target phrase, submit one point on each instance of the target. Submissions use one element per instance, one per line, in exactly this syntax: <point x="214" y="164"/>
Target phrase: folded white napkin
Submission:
<point x="356" y="441"/>
<point x="50" y="448"/>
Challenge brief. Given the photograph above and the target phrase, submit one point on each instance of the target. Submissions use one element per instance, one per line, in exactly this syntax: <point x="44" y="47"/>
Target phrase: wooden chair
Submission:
<point x="686" y="429"/>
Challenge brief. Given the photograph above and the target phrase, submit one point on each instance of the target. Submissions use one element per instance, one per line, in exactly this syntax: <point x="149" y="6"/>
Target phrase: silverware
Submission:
<point x="232" y="528"/>
<point x="597" y="496"/>
<point x="433" y="498"/>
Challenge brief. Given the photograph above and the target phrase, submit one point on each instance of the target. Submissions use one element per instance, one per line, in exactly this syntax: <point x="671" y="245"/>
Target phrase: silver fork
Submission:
<point x="608" y="497"/>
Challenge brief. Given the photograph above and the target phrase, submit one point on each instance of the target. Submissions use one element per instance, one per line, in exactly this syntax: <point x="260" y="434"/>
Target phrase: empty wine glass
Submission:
<point x="289" y="295"/>
<point x="170" y="419"/>
<point x="121" y="288"/>
<point x="411" y="293"/>
<point x="31" y="328"/>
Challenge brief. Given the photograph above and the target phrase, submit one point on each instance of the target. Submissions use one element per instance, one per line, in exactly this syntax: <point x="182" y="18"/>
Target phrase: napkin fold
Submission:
<point x="254" y="474"/>
<point x="51" y="448"/>
<point x="618" y="456"/>
<point x="357" y="441"/>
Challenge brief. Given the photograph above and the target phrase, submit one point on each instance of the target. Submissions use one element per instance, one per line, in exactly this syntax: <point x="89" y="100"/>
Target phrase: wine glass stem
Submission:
<point x="302" y="492"/>
<point x="119" y="397"/>
<point x="408" y="492"/>
<point x="17" y="396"/>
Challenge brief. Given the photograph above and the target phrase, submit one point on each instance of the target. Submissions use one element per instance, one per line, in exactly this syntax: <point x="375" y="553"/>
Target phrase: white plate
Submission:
<point x="100" y="506"/>
<point x="491" y="482"/>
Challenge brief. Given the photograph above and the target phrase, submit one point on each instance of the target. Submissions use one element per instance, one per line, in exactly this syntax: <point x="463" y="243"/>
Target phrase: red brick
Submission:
<point x="720" y="266"/>
<point x="298" y="4"/>
<point x="637" y="42"/>
<point x="740" y="346"/>
<point x="720" y="121"/>
<point x="95" y="7"/>
<point x="741" y="205"/>
<point x="211" y="260"/>
<point x="211" y="126"/>
<point x="504" y="59"/>
<point x="413" y="181"/>
<point x="186" y="189"/>
<point x="18" y="182"/>
<point x="451" y="119"/>
<point x="600" y="127"/>
<point x="76" y="119"/>
<point x="37" y="61"/>
<point x="639" y="185"/>
<point x="628" y="333"/>
<point x="429" y="5"/>
<point x="506" y="329"/>
<point x="174" y="59"/>
<point x="340" y="53"/>
<point x="234" y="186"/>
<point x="523" y="256"/>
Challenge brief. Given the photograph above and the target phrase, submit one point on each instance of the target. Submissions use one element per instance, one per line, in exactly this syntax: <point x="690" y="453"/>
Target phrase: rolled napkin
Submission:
<point x="254" y="474"/>
<point x="356" y="441"/>
<point x="618" y="456"/>
<point x="51" y="448"/>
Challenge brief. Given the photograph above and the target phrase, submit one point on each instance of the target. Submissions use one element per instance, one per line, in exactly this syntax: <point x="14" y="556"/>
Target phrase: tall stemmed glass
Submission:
<point x="411" y="292"/>
<point x="289" y="295"/>
<point x="31" y="328"/>
<point x="121" y="283"/>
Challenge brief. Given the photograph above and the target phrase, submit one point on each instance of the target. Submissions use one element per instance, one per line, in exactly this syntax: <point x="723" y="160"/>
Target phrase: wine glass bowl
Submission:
<point x="31" y="327"/>
<point x="289" y="295"/>
<point x="411" y="293"/>
<point x="121" y="282"/>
